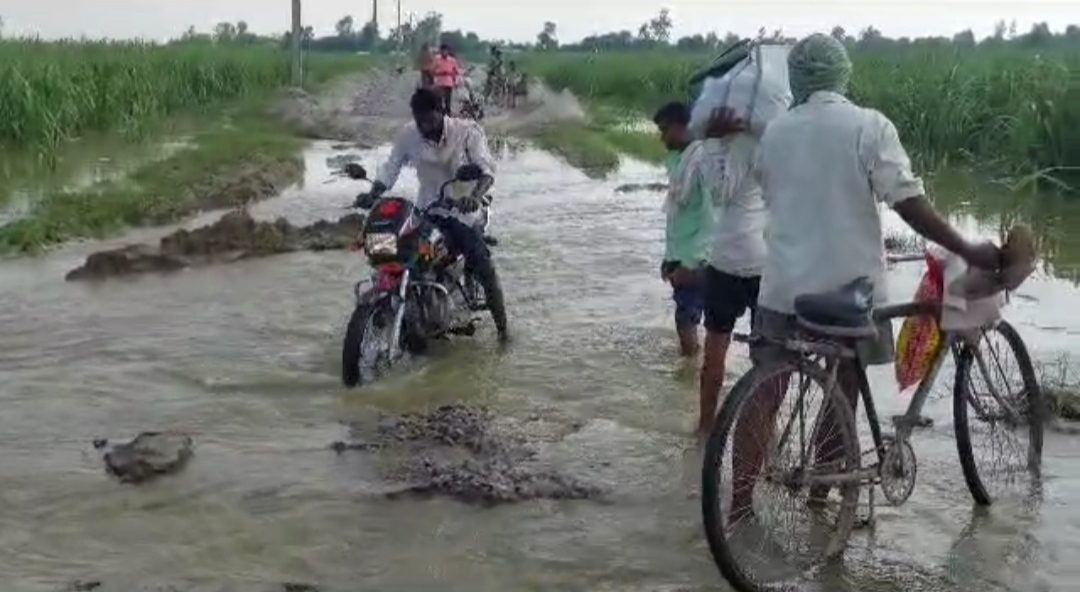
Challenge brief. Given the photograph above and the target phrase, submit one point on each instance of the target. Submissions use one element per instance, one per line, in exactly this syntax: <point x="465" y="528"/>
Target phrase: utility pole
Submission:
<point x="297" y="31"/>
<point x="400" y="37"/>
<point x="375" y="14"/>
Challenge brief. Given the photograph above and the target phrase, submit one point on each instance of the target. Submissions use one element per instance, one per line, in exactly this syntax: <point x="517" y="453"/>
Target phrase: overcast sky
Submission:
<point x="521" y="20"/>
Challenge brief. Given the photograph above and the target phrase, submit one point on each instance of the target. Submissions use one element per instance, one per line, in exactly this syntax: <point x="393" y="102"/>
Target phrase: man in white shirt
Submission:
<point x="824" y="166"/>
<point x="437" y="145"/>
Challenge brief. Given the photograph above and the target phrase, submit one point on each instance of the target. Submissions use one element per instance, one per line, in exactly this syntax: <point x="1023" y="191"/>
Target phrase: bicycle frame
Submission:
<point x="815" y="352"/>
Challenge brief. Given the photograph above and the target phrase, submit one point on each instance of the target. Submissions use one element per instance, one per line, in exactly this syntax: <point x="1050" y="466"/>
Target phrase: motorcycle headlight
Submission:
<point x="381" y="243"/>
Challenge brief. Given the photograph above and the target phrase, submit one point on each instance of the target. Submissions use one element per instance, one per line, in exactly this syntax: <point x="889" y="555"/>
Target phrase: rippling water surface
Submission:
<point x="244" y="357"/>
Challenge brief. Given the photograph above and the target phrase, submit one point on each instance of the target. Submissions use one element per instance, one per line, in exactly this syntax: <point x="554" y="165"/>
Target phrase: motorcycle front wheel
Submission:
<point x="365" y="352"/>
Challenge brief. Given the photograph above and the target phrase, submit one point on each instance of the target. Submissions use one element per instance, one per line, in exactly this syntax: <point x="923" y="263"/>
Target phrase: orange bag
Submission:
<point x="920" y="337"/>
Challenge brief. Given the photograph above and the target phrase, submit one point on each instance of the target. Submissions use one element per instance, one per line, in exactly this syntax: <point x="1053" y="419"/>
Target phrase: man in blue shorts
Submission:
<point x="689" y="218"/>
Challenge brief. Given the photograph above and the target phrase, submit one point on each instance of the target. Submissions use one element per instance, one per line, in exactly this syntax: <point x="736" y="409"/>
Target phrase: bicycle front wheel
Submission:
<point x="999" y="413"/>
<point x="779" y="428"/>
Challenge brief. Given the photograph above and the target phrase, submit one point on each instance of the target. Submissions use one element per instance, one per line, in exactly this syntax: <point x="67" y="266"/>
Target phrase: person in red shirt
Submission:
<point x="446" y="71"/>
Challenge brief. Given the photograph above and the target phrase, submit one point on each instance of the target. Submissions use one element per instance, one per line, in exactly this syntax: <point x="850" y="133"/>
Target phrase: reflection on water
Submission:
<point x="993" y="208"/>
<point x="244" y="357"/>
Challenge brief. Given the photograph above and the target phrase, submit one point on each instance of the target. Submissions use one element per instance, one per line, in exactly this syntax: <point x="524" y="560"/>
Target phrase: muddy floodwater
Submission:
<point x="244" y="358"/>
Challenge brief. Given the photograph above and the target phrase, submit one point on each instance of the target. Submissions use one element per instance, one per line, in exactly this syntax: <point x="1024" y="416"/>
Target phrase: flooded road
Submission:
<point x="244" y="357"/>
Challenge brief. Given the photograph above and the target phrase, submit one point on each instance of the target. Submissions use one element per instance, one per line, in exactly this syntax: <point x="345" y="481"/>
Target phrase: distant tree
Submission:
<point x="546" y="39"/>
<point x="429" y="28"/>
<point x="1038" y="36"/>
<point x="224" y="32"/>
<point x="369" y="36"/>
<point x="1000" y="28"/>
<point x="964" y="39"/>
<point x="344" y="27"/>
<point x="660" y="26"/>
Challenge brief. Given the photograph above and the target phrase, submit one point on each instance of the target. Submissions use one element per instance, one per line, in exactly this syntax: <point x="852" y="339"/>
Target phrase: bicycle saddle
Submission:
<point x="846" y="311"/>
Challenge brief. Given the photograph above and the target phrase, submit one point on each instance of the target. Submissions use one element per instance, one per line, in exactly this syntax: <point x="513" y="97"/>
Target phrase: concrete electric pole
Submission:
<point x="297" y="33"/>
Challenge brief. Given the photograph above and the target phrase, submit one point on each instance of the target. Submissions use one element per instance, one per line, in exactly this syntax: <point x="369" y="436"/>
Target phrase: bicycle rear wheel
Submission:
<point x="815" y="530"/>
<point x="985" y="427"/>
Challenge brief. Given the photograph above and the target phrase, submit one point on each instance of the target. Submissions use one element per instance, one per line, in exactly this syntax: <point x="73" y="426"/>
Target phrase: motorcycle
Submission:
<point x="472" y="107"/>
<point x="418" y="291"/>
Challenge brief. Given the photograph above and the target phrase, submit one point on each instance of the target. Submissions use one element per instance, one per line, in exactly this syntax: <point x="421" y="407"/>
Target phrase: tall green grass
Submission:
<point x="52" y="92"/>
<point x="1011" y="110"/>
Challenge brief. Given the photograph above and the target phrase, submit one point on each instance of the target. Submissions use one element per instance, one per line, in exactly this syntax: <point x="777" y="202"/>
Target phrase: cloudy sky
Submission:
<point x="522" y="20"/>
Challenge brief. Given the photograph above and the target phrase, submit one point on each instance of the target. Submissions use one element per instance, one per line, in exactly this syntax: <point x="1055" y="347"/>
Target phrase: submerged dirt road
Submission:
<point x="244" y="358"/>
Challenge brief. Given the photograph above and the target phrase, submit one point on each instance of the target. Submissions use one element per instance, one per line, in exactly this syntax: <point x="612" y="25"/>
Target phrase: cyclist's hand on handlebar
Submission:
<point x="983" y="255"/>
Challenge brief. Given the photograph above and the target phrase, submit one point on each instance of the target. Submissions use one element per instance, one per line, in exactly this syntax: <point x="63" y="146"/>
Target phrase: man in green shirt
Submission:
<point x="689" y="218"/>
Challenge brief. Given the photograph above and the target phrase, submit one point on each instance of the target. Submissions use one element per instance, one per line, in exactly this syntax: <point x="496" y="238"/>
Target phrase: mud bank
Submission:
<point x="236" y="236"/>
<point x="465" y="453"/>
<point x="256" y="178"/>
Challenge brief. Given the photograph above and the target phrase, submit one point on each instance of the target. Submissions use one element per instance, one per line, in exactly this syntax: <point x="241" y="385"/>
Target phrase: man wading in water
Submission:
<point x="424" y="60"/>
<point x="446" y="71"/>
<point x="689" y="217"/>
<point x="731" y="279"/>
<point x="824" y="166"/>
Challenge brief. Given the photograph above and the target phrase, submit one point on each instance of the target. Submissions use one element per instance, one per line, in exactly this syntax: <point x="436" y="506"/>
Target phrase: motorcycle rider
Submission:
<point x="437" y="144"/>
<point x="494" y="81"/>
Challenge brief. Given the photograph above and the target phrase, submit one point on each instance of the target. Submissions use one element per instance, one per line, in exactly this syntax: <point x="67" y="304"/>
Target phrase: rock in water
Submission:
<point x="633" y="187"/>
<point x="149" y="455"/>
<point x="465" y="453"/>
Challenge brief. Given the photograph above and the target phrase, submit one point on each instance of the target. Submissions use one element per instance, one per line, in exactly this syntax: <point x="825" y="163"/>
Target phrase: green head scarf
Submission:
<point x="818" y="62"/>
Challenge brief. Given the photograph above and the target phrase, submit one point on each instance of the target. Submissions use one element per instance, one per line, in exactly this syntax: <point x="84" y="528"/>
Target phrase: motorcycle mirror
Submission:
<point x="355" y="171"/>
<point x="469" y="172"/>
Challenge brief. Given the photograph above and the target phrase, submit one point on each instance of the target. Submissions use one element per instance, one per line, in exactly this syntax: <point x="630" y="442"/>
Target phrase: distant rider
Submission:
<point x="437" y="145"/>
<point x="424" y="62"/>
<point x="494" y="81"/>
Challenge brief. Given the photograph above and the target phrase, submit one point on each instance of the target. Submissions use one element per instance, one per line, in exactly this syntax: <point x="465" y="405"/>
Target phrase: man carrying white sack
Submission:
<point x="823" y="167"/>
<point x="731" y="279"/>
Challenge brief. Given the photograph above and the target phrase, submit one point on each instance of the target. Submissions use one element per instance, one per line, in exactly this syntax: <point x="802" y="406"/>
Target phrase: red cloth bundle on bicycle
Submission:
<point x="920" y="337"/>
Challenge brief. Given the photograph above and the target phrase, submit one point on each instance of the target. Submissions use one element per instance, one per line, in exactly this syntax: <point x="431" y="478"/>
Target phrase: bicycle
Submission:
<point x="815" y="356"/>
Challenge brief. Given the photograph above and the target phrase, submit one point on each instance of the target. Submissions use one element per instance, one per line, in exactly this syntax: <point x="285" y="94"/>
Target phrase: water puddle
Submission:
<point x="244" y="358"/>
<point x="81" y="167"/>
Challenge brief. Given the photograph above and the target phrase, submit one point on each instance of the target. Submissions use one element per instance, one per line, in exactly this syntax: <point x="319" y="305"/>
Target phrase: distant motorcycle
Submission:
<point x="419" y="290"/>
<point x="472" y="106"/>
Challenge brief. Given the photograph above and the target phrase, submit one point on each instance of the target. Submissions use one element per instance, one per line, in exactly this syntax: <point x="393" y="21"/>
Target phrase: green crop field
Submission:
<point x="51" y="92"/>
<point x="1013" y="110"/>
